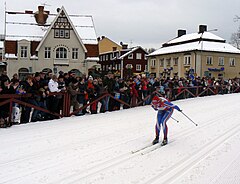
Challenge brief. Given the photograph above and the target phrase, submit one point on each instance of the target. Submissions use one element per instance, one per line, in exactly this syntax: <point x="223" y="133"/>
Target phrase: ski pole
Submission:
<point x="189" y="119"/>
<point x="175" y="120"/>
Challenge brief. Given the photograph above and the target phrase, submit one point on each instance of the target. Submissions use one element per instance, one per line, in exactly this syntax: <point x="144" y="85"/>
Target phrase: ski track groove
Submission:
<point x="125" y="157"/>
<point x="102" y="166"/>
<point x="187" y="163"/>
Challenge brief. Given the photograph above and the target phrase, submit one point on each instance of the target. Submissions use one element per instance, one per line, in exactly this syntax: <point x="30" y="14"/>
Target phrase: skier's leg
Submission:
<point x="165" y="118"/>
<point x="157" y="128"/>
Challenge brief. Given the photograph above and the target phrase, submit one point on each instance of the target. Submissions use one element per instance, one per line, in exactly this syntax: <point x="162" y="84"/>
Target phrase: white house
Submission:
<point x="44" y="41"/>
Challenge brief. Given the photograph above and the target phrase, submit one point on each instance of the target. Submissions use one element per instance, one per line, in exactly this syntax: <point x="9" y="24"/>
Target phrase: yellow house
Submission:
<point x="197" y="54"/>
<point x="107" y="45"/>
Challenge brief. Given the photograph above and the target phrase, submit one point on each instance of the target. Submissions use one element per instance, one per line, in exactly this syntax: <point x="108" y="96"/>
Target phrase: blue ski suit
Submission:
<point x="165" y="110"/>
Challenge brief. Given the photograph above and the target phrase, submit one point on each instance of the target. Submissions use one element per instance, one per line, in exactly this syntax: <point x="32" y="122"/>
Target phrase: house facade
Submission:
<point x="105" y="45"/>
<point x="197" y="54"/>
<point x="124" y="63"/>
<point x="42" y="41"/>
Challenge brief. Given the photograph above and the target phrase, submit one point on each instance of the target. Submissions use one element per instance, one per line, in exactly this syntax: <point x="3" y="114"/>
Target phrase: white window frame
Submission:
<point x="153" y="62"/>
<point x="209" y="60"/>
<point x="187" y="60"/>
<point x="61" y="53"/>
<point x="221" y="61"/>
<point x="138" y="67"/>
<point x="161" y="64"/>
<point x="232" y="62"/>
<point x="74" y="53"/>
<point x="168" y="62"/>
<point x="130" y="56"/>
<point x="175" y="61"/>
<point x="47" y="53"/>
<point x="139" y="56"/>
<point x="23" y="52"/>
<point x="129" y="66"/>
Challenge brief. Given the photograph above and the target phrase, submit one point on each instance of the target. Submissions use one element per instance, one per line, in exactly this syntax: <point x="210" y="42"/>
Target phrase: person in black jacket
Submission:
<point x="29" y="87"/>
<point x="6" y="88"/>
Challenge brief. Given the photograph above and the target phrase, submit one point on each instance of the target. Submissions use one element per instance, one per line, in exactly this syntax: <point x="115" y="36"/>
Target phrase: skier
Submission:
<point x="165" y="110"/>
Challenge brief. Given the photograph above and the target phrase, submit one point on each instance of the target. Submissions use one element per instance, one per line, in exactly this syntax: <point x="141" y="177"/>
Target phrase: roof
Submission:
<point x="194" y="36"/>
<point x="190" y="42"/>
<point x="21" y="26"/>
<point x="131" y="51"/>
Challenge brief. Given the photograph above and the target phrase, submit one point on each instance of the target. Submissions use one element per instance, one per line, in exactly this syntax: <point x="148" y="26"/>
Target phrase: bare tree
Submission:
<point x="235" y="37"/>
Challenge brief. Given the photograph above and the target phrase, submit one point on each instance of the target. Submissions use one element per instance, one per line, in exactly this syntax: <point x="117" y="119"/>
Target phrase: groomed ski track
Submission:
<point x="102" y="148"/>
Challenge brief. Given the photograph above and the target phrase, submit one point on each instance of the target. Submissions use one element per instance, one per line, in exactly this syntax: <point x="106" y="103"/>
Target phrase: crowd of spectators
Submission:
<point x="86" y="89"/>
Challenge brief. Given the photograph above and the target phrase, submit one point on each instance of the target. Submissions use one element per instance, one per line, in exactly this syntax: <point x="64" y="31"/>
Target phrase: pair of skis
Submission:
<point x="147" y="149"/>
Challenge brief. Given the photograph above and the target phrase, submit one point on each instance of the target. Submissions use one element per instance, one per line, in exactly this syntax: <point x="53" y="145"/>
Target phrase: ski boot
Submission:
<point x="156" y="140"/>
<point x="164" y="142"/>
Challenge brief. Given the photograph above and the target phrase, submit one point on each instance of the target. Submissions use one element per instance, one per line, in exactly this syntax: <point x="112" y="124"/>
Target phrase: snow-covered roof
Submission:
<point x="92" y="59"/>
<point x="214" y="46"/>
<point x="23" y="26"/>
<point x="129" y="52"/>
<point x="193" y="36"/>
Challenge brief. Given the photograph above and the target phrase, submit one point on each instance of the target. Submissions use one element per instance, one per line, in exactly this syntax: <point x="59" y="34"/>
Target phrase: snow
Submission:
<point x="97" y="149"/>
<point x="17" y="25"/>
<point x="200" y="46"/>
<point x="186" y="43"/>
<point x="192" y="36"/>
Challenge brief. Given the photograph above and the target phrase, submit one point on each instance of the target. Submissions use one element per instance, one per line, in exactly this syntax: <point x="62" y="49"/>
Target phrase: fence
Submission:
<point x="172" y="94"/>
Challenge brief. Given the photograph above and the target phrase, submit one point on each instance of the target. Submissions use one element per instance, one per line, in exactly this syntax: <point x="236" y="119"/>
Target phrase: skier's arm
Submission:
<point x="168" y="104"/>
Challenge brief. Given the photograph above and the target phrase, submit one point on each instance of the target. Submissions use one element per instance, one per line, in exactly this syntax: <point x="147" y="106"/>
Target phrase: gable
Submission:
<point x="92" y="50"/>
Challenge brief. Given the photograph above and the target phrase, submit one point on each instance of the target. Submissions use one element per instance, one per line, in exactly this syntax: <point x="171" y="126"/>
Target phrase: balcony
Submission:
<point x="61" y="62"/>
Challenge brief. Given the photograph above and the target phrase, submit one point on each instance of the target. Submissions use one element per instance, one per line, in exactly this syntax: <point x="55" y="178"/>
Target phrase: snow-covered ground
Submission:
<point x="98" y="149"/>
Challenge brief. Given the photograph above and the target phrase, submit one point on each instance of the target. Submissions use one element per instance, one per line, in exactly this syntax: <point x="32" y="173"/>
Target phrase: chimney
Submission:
<point x="181" y="32"/>
<point x="202" y="28"/>
<point x="124" y="46"/>
<point x="41" y="16"/>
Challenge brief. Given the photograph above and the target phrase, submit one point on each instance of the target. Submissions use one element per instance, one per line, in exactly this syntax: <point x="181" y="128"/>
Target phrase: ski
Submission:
<point x="159" y="145"/>
<point x="153" y="149"/>
<point x="143" y="148"/>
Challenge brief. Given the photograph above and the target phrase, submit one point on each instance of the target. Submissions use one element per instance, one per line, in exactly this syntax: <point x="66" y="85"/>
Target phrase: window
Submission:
<point x="221" y="61"/>
<point x="23" y="51"/>
<point x="130" y="56"/>
<point x="106" y="57"/>
<point x="168" y="62"/>
<point x="209" y="60"/>
<point x="187" y="60"/>
<point x="75" y="53"/>
<point x="161" y="62"/>
<point x="153" y="62"/>
<point x="129" y="66"/>
<point x="138" y="67"/>
<point x="67" y="33"/>
<point x="139" y="56"/>
<point x="232" y="61"/>
<point x="47" y="53"/>
<point x="56" y="33"/>
<point x="175" y="61"/>
<point x="61" y="53"/>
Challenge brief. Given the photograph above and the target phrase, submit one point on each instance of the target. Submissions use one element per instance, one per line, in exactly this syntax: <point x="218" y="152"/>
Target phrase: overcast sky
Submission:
<point x="148" y="23"/>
